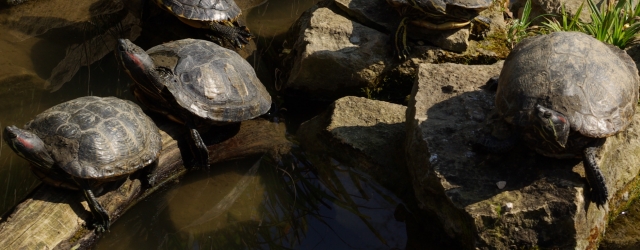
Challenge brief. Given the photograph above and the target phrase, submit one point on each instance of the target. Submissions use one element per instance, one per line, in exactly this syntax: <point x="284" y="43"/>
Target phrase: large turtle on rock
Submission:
<point x="196" y="83"/>
<point x="84" y="142"/>
<point x="221" y="16"/>
<point x="564" y="93"/>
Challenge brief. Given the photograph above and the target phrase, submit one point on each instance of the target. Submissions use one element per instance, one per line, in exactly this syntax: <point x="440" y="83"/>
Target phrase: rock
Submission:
<point x="623" y="232"/>
<point x="361" y="133"/>
<point x="446" y="113"/>
<point x="335" y="56"/>
<point x="377" y="14"/>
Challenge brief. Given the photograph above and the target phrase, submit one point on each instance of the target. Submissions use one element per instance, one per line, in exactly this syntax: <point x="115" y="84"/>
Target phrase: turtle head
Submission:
<point x="28" y="146"/>
<point x="551" y="125"/>
<point x="135" y="60"/>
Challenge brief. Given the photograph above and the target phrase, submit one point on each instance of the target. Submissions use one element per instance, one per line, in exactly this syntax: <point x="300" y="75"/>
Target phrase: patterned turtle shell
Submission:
<point x="595" y="85"/>
<point x="213" y="83"/>
<point x="98" y="138"/>
<point x="203" y="10"/>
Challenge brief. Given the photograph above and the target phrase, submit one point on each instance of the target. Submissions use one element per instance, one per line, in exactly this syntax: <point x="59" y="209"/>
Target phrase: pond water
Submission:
<point x="46" y="46"/>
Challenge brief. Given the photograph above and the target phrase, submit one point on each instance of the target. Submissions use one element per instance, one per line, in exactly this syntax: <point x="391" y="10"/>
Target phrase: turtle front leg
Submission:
<point x="599" y="192"/>
<point x="100" y="215"/>
<point x="198" y="148"/>
<point x="400" y="40"/>
<point x="237" y="35"/>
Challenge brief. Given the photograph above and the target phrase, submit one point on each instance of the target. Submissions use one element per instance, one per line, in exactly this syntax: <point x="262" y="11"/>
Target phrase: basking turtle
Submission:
<point x="564" y="93"/>
<point x="196" y="83"/>
<point x="435" y="15"/>
<point x="87" y="141"/>
<point x="221" y="16"/>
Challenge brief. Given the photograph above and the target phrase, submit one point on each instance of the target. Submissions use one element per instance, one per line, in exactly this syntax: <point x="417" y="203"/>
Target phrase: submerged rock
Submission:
<point x="361" y="133"/>
<point x="547" y="206"/>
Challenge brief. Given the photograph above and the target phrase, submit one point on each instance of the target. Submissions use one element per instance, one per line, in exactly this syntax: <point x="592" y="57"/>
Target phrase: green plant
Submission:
<point x="615" y="23"/>
<point x="568" y="24"/>
<point x="518" y="27"/>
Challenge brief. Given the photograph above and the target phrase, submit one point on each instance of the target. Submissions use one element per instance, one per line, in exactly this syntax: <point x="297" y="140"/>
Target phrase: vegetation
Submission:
<point x="614" y="23"/>
<point x="519" y="28"/>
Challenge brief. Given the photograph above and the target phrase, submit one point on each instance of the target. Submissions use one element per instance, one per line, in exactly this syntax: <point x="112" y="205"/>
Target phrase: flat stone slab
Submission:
<point x="519" y="199"/>
<point x="362" y="133"/>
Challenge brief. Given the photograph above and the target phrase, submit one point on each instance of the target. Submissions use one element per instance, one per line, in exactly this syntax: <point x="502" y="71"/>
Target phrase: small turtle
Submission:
<point x="84" y="142"/>
<point x="196" y="83"/>
<point x="435" y="15"/>
<point x="221" y="16"/>
<point x="564" y="93"/>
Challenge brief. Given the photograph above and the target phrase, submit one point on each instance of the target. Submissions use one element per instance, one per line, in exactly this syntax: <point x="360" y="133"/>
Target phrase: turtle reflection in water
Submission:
<point x="84" y="142"/>
<point x="435" y="15"/>
<point x="196" y="83"/>
<point x="563" y="94"/>
<point x="221" y="16"/>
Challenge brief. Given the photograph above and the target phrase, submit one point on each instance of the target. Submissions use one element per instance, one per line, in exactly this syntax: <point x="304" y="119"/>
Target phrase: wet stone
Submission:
<point x="549" y="204"/>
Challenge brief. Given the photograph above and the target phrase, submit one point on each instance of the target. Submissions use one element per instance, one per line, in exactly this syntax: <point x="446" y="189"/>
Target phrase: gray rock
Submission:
<point x="446" y="113"/>
<point x="361" y="133"/>
<point x="335" y="56"/>
<point x="371" y="13"/>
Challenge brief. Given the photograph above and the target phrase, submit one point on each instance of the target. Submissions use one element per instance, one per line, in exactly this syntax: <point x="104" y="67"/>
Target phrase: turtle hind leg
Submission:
<point x="401" y="50"/>
<point x="101" y="217"/>
<point x="237" y="35"/>
<point x="599" y="192"/>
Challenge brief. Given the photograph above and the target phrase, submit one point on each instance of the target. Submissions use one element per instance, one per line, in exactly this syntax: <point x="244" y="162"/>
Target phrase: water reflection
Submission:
<point x="264" y="203"/>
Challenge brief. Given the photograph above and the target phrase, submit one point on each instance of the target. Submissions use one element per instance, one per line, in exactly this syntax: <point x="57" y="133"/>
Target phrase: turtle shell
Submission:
<point x="213" y="83"/>
<point x="203" y="10"/>
<point x="454" y="9"/>
<point x="98" y="138"/>
<point x="593" y="84"/>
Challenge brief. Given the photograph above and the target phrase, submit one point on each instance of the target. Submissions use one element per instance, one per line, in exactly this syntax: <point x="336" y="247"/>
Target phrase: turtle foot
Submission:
<point x="599" y="192"/>
<point x="199" y="150"/>
<point x="237" y="35"/>
<point x="100" y="215"/>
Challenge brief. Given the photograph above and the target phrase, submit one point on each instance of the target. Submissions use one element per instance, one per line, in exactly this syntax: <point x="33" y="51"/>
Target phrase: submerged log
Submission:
<point x="53" y="218"/>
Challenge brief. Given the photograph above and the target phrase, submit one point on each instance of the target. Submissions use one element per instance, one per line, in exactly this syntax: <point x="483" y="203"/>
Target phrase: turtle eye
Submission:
<point x="546" y="114"/>
<point x="121" y="47"/>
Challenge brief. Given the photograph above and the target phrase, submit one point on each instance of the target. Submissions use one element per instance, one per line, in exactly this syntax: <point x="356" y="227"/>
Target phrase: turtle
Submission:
<point x="563" y="94"/>
<point x="435" y="15"/>
<point x="83" y="143"/>
<point x="221" y="16"/>
<point x="196" y="83"/>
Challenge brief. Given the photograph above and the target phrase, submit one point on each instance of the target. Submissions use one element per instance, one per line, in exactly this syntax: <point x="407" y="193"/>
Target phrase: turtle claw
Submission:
<point x="237" y="35"/>
<point x="198" y="148"/>
<point x="100" y="215"/>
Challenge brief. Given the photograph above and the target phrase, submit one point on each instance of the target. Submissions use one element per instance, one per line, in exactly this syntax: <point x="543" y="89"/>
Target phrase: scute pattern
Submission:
<point x="213" y="83"/>
<point x="203" y="10"/>
<point x="109" y="137"/>
<point x="593" y="84"/>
